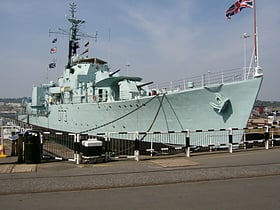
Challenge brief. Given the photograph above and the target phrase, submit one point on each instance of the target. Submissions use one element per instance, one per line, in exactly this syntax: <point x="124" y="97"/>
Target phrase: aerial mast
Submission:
<point x="73" y="34"/>
<point x="73" y="40"/>
<point x="258" y="69"/>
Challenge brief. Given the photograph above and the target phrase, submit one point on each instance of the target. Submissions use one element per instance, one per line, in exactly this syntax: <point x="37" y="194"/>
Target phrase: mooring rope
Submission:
<point x="121" y="117"/>
<point x="154" y="120"/>
<point x="175" y="113"/>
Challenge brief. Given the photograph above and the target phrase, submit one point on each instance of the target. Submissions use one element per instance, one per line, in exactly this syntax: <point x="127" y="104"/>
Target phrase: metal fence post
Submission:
<point x="272" y="137"/>
<point x="230" y="140"/>
<point x="244" y="140"/>
<point x="137" y="147"/>
<point x="107" y="147"/>
<point x="188" y="152"/>
<point x="77" y="148"/>
<point x="152" y="148"/>
<point x="266" y="137"/>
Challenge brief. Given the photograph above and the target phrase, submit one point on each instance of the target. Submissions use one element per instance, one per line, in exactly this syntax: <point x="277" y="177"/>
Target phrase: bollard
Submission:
<point x="230" y="140"/>
<point x="266" y="137"/>
<point x="137" y="147"/>
<point x="188" y="152"/>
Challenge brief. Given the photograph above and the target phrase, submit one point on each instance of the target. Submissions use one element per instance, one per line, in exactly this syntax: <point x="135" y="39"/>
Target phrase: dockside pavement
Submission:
<point x="55" y="176"/>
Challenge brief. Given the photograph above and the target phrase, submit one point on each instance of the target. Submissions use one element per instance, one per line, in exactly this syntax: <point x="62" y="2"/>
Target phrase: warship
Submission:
<point x="90" y="98"/>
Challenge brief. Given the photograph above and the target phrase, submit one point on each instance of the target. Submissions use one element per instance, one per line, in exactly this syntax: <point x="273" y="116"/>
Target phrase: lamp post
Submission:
<point x="244" y="37"/>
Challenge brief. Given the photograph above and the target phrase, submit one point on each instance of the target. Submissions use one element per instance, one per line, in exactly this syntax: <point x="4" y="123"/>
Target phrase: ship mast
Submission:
<point x="73" y="40"/>
<point x="73" y="34"/>
<point x="258" y="69"/>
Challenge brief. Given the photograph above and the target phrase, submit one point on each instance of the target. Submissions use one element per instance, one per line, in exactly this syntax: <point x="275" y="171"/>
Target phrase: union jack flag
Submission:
<point x="238" y="7"/>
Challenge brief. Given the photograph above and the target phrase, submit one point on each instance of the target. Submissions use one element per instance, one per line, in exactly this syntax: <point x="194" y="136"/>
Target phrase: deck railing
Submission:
<point x="207" y="79"/>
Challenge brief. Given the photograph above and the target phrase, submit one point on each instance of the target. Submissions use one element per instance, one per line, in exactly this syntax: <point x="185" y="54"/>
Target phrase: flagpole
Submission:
<point x="256" y="35"/>
<point x="258" y="69"/>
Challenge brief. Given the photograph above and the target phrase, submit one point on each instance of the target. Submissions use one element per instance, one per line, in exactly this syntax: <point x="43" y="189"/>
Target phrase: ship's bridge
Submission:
<point x="90" y="80"/>
<point x="89" y="60"/>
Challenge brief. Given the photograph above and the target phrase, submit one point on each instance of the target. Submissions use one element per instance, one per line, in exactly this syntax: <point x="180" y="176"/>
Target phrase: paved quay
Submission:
<point x="64" y="176"/>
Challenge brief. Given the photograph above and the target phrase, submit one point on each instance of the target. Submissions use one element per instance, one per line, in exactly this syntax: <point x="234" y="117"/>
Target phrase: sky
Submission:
<point x="161" y="40"/>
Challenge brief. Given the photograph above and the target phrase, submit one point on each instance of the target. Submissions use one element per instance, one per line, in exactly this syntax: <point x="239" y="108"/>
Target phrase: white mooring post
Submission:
<point x="230" y="140"/>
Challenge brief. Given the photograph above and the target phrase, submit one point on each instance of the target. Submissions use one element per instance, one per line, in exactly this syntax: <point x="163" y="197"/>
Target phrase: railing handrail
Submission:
<point x="209" y="78"/>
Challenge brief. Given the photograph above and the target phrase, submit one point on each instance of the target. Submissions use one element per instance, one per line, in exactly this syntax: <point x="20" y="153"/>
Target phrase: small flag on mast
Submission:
<point x="86" y="44"/>
<point x="53" y="50"/>
<point x="52" y="65"/>
<point x="85" y="51"/>
<point x="237" y="7"/>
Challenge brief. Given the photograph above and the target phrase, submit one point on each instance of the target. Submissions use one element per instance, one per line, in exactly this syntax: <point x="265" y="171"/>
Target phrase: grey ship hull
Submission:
<point x="211" y="107"/>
